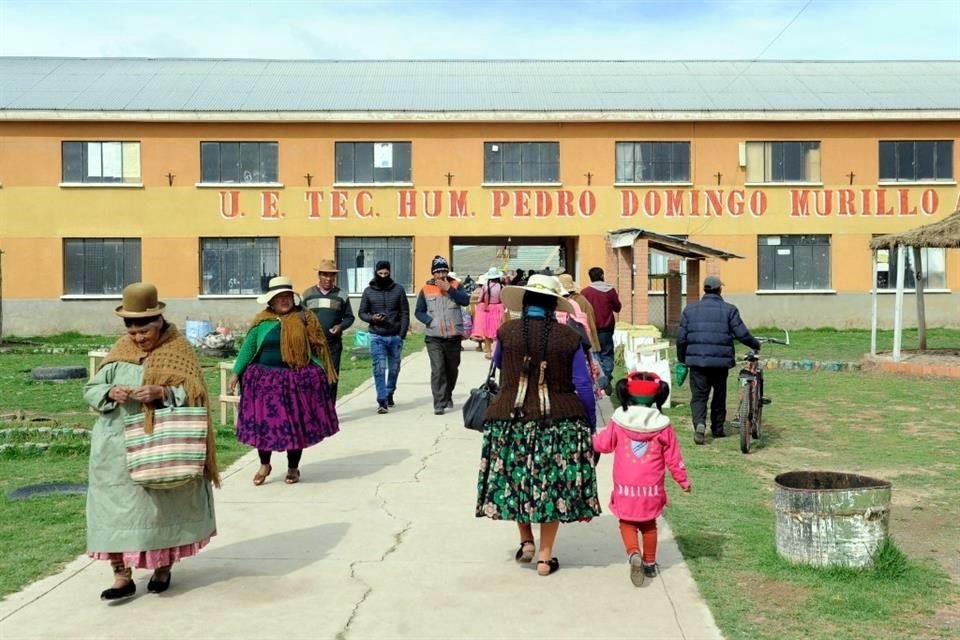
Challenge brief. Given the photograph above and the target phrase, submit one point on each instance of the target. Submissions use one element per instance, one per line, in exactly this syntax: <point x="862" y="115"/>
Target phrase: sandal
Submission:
<point x="523" y="554"/>
<point x="552" y="565"/>
<point x="293" y="476"/>
<point x="261" y="475"/>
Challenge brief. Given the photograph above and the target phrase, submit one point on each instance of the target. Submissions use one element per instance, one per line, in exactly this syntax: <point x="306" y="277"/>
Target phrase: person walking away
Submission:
<point x="575" y="297"/>
<point x="489" y="310"/>
<point x="332" y="307"/>
<point x="283" y="367"/>
<point x="385" y="308"/>
<point x="705" y="344"/>
<point x="439" y="307"/>
<point x="537" y="463"/>
<point x="644" y="445"/>
<point x="605" y="301"/>
<point x="152" y="366"/>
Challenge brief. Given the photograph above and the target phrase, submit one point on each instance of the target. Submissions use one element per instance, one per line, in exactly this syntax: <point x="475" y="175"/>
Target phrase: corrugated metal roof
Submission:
<point x="256" y="86"/>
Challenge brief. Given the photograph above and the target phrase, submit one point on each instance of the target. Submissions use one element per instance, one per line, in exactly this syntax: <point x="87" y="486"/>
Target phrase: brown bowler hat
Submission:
<point x="140" y="301"/>
<point x="327" y="266"/>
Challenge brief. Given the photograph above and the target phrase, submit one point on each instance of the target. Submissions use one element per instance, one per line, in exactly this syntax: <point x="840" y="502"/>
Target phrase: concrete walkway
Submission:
<point x="378" y="540"/>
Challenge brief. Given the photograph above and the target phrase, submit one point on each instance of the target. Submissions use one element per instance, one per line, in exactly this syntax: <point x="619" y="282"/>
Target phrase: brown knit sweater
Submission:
<point x="562" y="344"/>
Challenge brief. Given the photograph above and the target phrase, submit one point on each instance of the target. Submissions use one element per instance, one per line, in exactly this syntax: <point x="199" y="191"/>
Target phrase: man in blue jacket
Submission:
<point x="705" y="344"/>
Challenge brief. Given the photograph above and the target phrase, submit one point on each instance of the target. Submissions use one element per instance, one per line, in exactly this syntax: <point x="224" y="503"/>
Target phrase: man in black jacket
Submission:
<point x="384" y="306"/>
<point x="705" y="345"/>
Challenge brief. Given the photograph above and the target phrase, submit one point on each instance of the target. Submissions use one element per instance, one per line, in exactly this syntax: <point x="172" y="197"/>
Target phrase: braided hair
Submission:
<point x="548" y="303"/>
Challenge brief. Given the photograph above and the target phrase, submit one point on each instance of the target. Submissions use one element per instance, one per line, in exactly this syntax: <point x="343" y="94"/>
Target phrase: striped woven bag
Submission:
<point x="174" y="454"/>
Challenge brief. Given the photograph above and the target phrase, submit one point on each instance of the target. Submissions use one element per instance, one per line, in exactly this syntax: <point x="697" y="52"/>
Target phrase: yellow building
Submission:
<point x="207" y="177"/>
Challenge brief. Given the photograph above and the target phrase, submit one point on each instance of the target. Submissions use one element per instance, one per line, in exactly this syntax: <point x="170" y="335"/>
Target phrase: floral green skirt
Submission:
<point x="533" y="472"/>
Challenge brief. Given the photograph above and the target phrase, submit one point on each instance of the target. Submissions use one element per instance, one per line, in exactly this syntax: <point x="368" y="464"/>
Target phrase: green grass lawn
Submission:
<point x="39" y="535"/>
<point x="900" y="429"/>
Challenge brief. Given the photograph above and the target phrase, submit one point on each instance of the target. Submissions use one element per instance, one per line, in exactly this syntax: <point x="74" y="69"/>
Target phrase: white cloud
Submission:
<point x="827" y="29"/>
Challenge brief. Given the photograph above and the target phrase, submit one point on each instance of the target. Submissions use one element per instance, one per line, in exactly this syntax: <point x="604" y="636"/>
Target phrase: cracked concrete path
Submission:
<point x="378" y="540"/>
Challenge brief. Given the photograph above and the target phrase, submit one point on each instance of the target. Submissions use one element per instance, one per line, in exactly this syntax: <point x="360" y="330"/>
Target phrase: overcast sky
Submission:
<point x="447" y="29"/>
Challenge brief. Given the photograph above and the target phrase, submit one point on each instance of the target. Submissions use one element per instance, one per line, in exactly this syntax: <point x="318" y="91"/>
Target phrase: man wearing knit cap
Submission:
<point x="440" y="308"/>
<point x="705" y="344"/>
<point x="384" y="307"/>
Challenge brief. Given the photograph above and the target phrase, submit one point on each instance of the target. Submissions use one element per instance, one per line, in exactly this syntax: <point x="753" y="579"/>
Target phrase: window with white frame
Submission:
<point x="933" y="266"/>
<point x="100" y="266"/>
<point x="521" y="162"/>
<point x="372" y="162"/>
<point x="916" y="160"/>
<point x="793" y="263"/>
<point x="653" y="162"/>
<point x="358" y="256"/>
<point x="659" y="265"/>
<point x="238" y="266"/>
<point x="783" y="162"/>
<point x="238" y="162"/>
<point x="113" y="162"/>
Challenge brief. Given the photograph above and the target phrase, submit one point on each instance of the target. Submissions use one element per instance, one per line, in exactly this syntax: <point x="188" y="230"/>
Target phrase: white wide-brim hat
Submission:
<point x="493" y="273"/>
<point x="278" y="285"/>
<point x="512" y="296"/>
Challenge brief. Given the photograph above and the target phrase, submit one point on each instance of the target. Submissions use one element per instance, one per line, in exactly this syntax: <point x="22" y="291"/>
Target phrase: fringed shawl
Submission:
<point x="301" y="336"/>
<point x="173" y="362"/>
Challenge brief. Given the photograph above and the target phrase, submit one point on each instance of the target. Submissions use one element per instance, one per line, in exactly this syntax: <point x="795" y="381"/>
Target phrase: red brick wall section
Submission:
<point x="693" y="280"/>
<point x="640" y="304"/>
<point x="674" y="299"/>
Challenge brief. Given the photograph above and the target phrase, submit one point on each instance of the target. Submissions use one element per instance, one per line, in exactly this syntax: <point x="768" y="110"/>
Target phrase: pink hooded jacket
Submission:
<point x="644" y="445"/>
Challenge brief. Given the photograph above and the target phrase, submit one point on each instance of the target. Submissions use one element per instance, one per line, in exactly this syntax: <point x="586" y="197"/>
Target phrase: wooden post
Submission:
<point x="898" y="304"/>
<point x="873" y="302"/>
<point x="918" y="271"/>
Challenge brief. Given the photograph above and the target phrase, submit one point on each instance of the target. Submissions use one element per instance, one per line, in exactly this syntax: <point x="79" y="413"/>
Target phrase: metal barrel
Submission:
<point x="825" y="518"/>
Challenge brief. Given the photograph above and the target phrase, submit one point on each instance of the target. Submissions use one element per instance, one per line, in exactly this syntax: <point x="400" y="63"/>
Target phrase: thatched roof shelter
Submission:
<point x="945" y="233"/>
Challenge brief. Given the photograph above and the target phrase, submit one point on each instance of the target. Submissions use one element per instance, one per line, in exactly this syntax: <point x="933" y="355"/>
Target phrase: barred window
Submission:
<point x="916" y="160"/>
<point x="794" y="262"/>
<point x="521" y="162"/>
<point x="653" y="162"/>
<point x="783" y="162"/>
<point x="238" y="162"/>
<point x="238" y="266"/>
<point x="100" y="266"/>
<point x="357" y="257"/>
<point x="372" y="162"/>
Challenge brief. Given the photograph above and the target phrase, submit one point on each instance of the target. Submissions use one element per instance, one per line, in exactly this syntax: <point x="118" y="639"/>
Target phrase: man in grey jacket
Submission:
<point x="440" y="308"/>
<point x="384" y="307"/>
<point x="705" y="344"/>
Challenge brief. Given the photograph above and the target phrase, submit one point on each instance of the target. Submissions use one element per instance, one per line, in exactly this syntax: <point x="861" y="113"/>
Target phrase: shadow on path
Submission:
<point x="354" y="466"/>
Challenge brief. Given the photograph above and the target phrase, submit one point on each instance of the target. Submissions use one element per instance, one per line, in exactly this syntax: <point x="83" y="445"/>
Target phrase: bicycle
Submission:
<point x="750" y="407"/>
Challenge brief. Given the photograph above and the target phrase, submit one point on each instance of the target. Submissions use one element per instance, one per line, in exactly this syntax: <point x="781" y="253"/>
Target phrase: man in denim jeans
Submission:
<point x="384" y="307"/>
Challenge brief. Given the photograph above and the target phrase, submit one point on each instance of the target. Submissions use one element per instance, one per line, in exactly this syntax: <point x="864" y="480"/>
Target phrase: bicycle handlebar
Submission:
<point x="773" y="340"/>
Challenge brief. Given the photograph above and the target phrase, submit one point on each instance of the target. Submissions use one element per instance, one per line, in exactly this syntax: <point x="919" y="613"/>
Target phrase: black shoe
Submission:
<point x="448" y="404"/>
<point x="114" y="593"/>
<point x="698" y="433"/>
<point x="650" y="570"/>
<point x="720" y="434"/>
<point x="438" y="410"/>
<point x="158" y="586"/>
<point x="390" y="400"/>
<point x="382" y="407"/>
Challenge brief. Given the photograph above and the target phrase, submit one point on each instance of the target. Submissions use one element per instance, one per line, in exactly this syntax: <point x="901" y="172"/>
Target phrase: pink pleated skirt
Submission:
<point x="155" y="558"/>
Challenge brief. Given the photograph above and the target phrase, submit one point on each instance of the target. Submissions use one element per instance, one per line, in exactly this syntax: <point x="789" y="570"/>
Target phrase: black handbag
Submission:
<point x="475" y="408"/>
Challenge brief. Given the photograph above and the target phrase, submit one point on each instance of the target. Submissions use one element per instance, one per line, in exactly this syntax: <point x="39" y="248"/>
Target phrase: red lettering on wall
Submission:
<point x="362" y="205"/>
<point x="824" y="202"/>
<point x="564" y="202"/>
<point x="846" y="206"/>
<point x="431" y="204"/>
<point x="587" y="203"/>
<point x="338" y="205"/>
<point x="230" y="204"/>
<point x="313" y="198"/>
<point x="758" y="203"/>
<point x="882" y="208"/>
<point x="865" y="202"/>
<point x="629" y="204"/>
<point x="407" y="204"/>
<point x="929" y="202"/>
<point x="544" y="204"/>
<point x="799" y="203"/>
<point x="651" y="204"/>
<point x="714" y="202"/>
<point x="270" y="205"/>
<point x="499" y="200"/>
<point x="674" y="203"/>
<point x="694" y="202"/>
<point x="458" y="204"/>
<point x="735" y="202"/>
<point x="905" y="208"/>
<point x="521" y="204"/>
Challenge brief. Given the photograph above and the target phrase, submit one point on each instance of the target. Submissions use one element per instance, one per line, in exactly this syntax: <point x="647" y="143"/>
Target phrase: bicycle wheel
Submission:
<point x="746" y="417"/>
<point x="757" y="410"/>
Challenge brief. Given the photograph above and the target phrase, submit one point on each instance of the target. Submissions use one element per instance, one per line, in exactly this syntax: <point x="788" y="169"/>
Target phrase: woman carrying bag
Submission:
<point x="537" y="463"/>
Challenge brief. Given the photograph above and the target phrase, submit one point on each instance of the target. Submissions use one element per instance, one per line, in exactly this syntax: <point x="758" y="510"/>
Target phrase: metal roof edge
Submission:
<point x="695" y="248"/>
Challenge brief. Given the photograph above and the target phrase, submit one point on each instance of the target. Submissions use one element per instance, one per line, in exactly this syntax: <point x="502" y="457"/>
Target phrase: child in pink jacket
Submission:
<point x="644" y="445"/>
